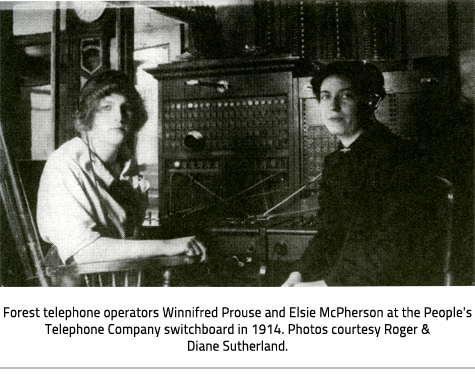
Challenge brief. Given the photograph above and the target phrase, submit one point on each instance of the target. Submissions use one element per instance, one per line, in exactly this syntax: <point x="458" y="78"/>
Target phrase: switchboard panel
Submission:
<point x="229" y="141"/>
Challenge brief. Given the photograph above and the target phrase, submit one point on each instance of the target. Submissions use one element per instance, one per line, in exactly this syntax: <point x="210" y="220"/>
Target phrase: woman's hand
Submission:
<point x="320" y="283"/>
<point x="188" y="245"/>
<point x="293" y="280"/>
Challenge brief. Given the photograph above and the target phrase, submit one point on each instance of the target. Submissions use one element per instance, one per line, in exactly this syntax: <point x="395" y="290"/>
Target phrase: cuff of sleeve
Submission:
<point x="67" y="251"/>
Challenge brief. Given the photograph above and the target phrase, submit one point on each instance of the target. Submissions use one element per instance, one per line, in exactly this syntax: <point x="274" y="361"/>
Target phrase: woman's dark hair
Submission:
<point x="103" y="85"/>
<point x="365" y="78"/>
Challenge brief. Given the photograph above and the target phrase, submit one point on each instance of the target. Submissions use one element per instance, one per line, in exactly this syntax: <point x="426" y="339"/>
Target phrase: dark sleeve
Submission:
<point x="322" y="248"/>
<point x="386" y="254"/>
<point x="314" y="261"/>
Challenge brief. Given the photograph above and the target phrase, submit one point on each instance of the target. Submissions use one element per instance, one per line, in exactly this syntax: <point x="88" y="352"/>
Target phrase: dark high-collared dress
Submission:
<point x="374" y="215"/>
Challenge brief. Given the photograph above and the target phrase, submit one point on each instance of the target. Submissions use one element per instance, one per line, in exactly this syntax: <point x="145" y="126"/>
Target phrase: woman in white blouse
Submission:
<point x="91" y="199"/>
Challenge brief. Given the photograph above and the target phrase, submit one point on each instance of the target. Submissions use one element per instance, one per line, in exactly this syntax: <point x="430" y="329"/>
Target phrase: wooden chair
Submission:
<point x="435" y="240"/>
<point x="445" y="212"/>
<point x="127" y="273"/>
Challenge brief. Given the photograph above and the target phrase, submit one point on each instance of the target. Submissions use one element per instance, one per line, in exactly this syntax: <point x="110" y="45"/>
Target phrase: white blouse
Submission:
<point x="74" y="205"/>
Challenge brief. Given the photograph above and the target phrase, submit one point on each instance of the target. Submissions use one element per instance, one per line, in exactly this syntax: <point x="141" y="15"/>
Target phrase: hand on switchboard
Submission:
<point x="188" y="245"/>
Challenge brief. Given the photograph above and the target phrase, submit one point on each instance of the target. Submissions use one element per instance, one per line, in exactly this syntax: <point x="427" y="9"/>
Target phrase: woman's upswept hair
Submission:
<point x="366" y="78"/>
<point x="103" y="85"/>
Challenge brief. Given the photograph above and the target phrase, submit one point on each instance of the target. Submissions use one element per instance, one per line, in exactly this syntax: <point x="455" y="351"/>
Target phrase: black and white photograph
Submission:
<point x="237" y="143"/>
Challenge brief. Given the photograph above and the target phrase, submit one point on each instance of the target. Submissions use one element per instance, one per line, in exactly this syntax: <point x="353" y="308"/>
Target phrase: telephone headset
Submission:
<point x="373" y="101"/>
<point x="94" y="176"/>
<point x="118" y="189"/>
<point x="374" y="82"/>
<point x="366" y="78"/>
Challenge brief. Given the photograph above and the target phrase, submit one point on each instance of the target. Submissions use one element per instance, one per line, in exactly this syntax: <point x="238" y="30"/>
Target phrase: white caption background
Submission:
<point x="449" y="343"/>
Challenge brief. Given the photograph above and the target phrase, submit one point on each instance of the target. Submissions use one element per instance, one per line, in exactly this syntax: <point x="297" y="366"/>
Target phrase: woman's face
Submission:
<point x="112" y="120"/>
<point x="339" y="106"/>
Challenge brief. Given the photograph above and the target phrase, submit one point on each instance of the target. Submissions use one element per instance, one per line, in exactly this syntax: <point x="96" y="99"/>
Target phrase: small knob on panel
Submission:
<point x="194" y="140"/>
<point x="251" y="247"/>
<point x="281" y="248"/>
